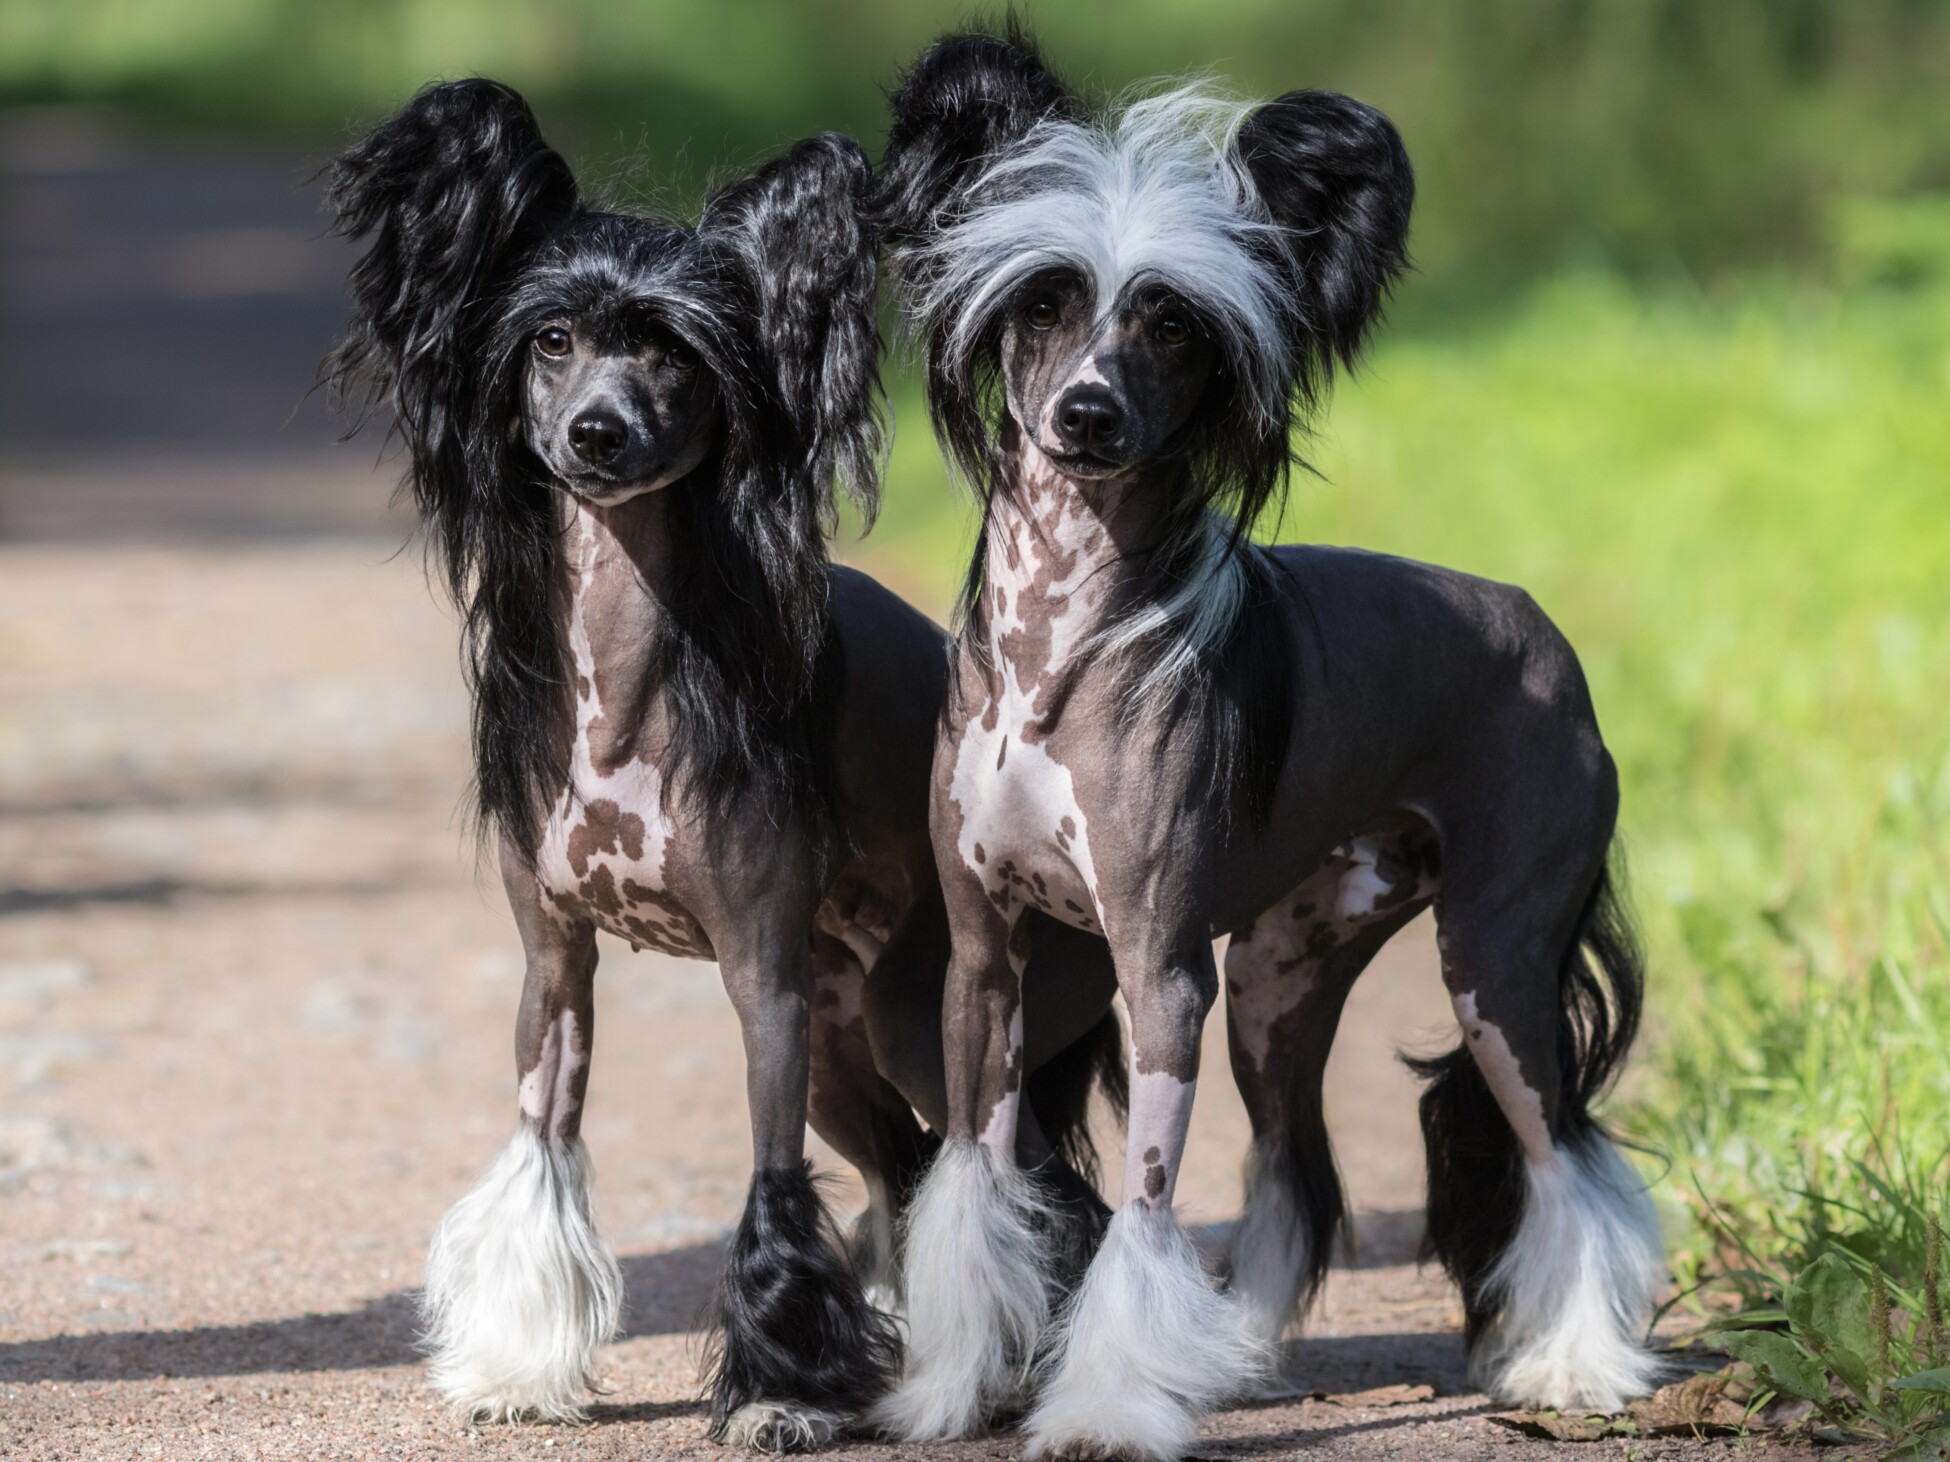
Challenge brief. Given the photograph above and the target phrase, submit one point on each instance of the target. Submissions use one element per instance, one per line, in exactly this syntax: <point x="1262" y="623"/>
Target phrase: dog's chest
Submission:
<point x="1023" y="828"/>
<point x="608" y="850"/>
<point x="606" y="855"/>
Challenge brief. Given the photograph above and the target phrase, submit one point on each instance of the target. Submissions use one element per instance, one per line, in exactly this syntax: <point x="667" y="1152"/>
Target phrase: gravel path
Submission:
<point x="255" y="1015"/>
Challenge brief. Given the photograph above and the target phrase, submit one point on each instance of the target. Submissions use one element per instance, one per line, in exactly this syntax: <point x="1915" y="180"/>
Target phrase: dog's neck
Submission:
<point x="1064" y="559"/>
<point x="621" y="566"/>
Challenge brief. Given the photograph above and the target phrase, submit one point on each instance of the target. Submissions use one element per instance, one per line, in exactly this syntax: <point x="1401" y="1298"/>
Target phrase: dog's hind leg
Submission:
<point x="520" y="1287"/>
<point x="861" y="1115"/>
<point x="800" y="1352"/>
<point x="1288" y="974"/>
<point x="1148" y="1346"/>
<point x="1550" y="1235"/>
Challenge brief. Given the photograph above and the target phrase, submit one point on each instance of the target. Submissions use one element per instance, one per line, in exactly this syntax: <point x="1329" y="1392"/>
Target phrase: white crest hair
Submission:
<point x="1186" y="624"/>
<point x="1153" y="193"/>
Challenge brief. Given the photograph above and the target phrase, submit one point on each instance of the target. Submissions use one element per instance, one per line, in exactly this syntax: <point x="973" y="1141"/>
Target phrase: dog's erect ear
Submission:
<point x="454" y="192"/>
<point x="1334" y="174"/>
<point x="799" y="228"/>
<point x="966" y="99"/>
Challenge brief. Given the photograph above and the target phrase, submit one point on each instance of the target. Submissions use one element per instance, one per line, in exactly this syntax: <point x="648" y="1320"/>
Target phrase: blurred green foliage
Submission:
<point x="1653" y="136"/>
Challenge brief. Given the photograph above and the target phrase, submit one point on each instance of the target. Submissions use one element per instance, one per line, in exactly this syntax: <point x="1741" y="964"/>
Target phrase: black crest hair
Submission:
<point x="476" y="232"/>
<point x="966" y="99"/>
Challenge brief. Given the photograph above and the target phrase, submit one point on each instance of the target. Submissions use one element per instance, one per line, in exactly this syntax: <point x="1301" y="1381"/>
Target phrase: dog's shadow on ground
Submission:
<point x="668" y="1294"/>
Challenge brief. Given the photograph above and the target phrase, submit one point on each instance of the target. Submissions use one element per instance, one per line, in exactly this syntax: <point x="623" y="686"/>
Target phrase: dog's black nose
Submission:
<point x="1089" y="419"/>
<point x="598" y="437"/>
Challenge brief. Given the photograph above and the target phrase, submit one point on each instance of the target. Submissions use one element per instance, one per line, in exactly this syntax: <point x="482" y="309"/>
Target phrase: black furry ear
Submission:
<point x="1333" y="172"/>
<point x="800" y="230"/>
<point x="454" y="192"/>
<point x="966" y="99"/>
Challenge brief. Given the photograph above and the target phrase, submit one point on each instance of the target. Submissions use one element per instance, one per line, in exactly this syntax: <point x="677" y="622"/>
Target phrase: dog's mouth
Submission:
<point x="607" y="492"/>
<point x="1088" y="465"/>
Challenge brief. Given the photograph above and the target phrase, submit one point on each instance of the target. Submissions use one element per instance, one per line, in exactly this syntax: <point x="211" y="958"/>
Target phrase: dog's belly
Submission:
<point x="603" y="858"/>
<point x="1022" y="831"/>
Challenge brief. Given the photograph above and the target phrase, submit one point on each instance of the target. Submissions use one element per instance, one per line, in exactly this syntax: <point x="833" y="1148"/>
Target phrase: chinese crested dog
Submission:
<point x="1159" y="731"/>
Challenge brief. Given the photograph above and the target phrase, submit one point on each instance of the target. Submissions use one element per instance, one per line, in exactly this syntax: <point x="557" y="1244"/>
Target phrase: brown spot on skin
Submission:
<point x="1073" y="906"/>
<point x="1152" y="1155"/>
<point x="1002" y="753"/>
<point x="605" y="828"/>
<point x="599" y="892"/>
<point x="1068" y="827"/>
<point x="981" y="854"/>
<point x="1154" y="1181"/>
<point x="991" y="713"/>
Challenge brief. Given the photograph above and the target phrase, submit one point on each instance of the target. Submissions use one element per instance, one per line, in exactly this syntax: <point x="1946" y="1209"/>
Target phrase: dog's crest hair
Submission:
<point x="1280" y="226"/>
<point x="477" y="235"/>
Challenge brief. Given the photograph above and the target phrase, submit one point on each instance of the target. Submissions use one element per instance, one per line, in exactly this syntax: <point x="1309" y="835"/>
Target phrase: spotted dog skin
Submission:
<point x="1162" y="733"/>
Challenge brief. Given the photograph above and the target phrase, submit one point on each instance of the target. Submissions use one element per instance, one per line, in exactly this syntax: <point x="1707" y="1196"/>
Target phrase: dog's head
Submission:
<point x="1175" y="280"/>
<point x="495" y="308"/>
<point x="532" y="346"/>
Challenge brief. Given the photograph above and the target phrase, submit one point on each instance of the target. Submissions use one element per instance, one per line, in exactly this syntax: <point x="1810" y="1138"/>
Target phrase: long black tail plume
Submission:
<point x="1475" y="1163"/>
<point x="792" y="1321"/>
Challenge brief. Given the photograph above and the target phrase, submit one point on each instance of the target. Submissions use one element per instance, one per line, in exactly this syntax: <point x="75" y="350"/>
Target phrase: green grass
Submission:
<point x="1738" y="508"/>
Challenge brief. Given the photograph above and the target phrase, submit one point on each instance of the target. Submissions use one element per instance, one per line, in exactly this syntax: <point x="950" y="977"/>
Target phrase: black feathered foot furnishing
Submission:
<point x="800" y="1352"/>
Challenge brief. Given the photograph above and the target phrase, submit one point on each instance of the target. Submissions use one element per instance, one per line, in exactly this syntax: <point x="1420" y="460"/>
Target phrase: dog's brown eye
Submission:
<point x="1042" y="315"/>
<point x="679" y="356"/>
<point x="553" y="342"/>
<point x="1173" y="331"/>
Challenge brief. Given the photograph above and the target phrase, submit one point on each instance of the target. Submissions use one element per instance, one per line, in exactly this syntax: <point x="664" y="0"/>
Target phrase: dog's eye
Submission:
<point x="553" y="342"/>
<point x="1042" y="315"/>
<point x="679" y="356"/>
<point x="1173" y="331"/>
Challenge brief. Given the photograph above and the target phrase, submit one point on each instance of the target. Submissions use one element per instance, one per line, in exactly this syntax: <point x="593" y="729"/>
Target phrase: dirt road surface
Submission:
<point x="256" y="1006"/>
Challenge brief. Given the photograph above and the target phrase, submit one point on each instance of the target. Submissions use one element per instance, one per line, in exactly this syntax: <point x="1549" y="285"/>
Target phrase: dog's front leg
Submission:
<point x="801" y="1352"/>
<point x="976" y="1266"/>
<point x="520" y="1287"/>
<point x="1149" y="1346"/>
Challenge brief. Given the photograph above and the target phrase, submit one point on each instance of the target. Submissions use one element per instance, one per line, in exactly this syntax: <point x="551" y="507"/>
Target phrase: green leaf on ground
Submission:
<point x="1781" y="1363"/>
<point x="1937" y="1380"/>
<point x="1828" y="1306"/>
